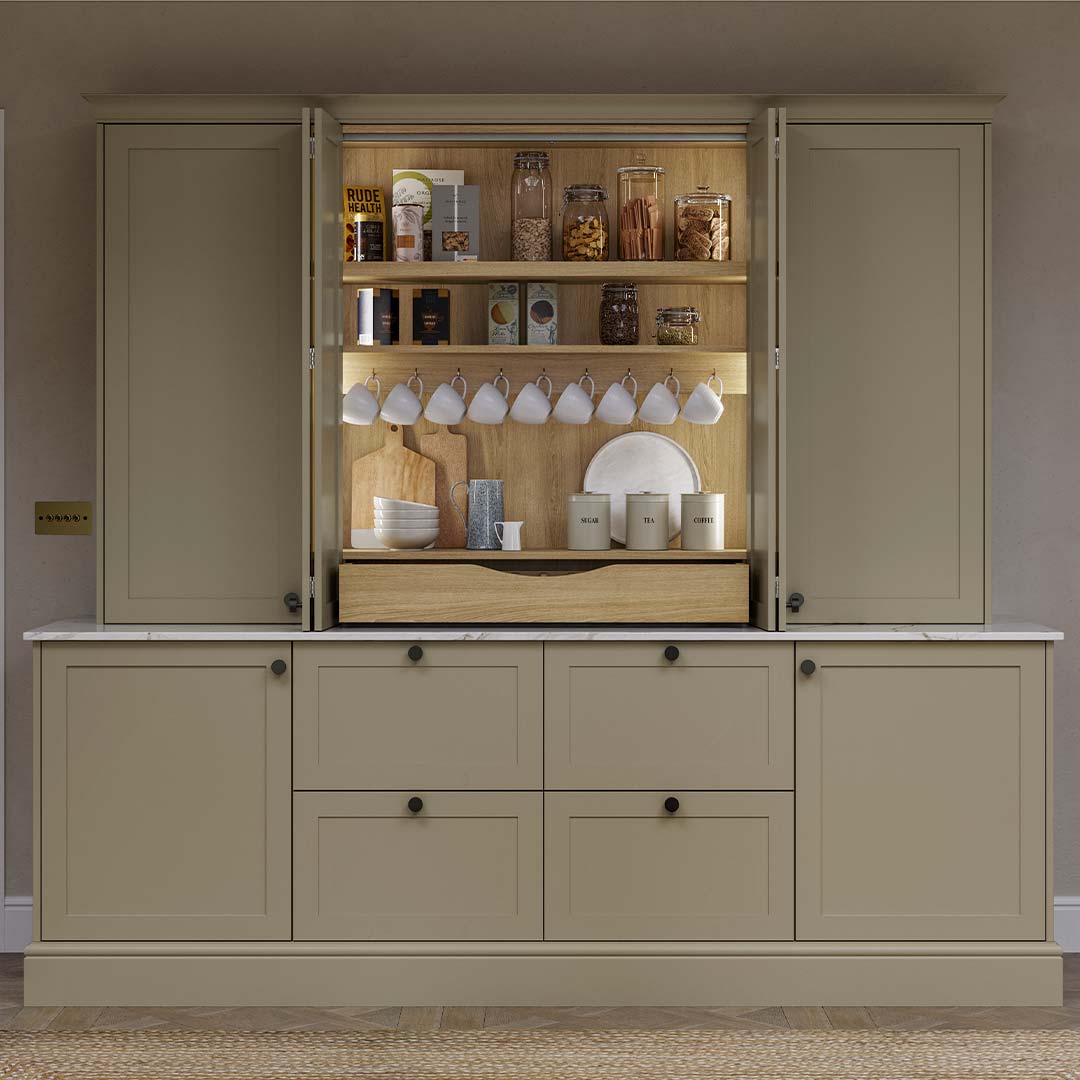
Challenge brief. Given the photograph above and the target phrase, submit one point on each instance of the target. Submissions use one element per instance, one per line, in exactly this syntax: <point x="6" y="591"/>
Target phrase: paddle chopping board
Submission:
<point x="450" y="454"/>
<point x="392" y="472"/>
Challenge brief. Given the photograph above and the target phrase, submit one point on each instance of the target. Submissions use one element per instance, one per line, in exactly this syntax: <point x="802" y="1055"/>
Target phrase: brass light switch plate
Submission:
<point x="62" y="518"/>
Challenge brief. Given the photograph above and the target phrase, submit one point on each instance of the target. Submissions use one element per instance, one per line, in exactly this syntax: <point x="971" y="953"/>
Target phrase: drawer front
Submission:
<point x="462" y="716"/>
<point x="618" y="716"/>
<point x="620" y="867"/>
<point x="465" y="867"/>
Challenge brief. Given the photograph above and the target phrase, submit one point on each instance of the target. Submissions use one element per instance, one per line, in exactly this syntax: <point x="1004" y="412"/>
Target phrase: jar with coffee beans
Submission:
<point x="619" y="323"/>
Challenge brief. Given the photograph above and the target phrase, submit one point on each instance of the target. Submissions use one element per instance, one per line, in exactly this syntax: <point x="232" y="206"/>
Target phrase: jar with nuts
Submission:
<point x="530" y="198"/>
<point x="585" y="224"/>
<point x="703" y="226"/>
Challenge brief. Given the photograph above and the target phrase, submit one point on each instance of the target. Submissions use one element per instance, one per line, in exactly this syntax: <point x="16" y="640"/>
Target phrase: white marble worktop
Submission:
<point x="87" y="630"/>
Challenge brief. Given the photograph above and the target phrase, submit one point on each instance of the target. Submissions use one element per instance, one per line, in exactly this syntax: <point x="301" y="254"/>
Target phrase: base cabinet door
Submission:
<point x="920" y="792"/>
<point x="165" y="792"/>
<point x="707" y="866"/>
<point x="631" y="715"/>
<point x="417" y="866"/>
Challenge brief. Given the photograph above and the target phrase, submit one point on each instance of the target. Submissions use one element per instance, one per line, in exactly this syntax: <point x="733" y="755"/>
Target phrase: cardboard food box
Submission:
<point x="542" y="313"/>
<point x="377" y="317"/>
<point x="431" y="317"/>
<point x="414" y="186"/>
<point x="455" y="222"/>
<point x="503" y="312"/>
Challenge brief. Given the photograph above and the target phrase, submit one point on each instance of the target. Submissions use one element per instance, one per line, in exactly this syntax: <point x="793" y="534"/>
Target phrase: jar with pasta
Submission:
<point x="585" y="224"/>
<point x="703" y="226"/>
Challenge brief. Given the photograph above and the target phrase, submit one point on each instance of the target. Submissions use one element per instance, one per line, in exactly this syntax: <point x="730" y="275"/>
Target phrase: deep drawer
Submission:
<point x="463" y="715"/>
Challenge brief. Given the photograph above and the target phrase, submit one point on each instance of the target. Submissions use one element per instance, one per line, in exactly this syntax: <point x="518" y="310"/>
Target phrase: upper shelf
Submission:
<point x="582" y="273"/>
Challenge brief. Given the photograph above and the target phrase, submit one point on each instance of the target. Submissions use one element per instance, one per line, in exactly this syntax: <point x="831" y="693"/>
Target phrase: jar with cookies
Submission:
<point x="703" y="226"/>
<point x="585" y="233"/>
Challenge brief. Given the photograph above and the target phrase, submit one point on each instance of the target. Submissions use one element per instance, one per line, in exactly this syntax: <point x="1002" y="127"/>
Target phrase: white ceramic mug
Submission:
<point x="402" y="405"/>
<point x="361" y="406"/>
<point x="446" y="405"/>
<point x="661" y="406"/>
<point x="489" y="404"/>
<point x="532" y="405"/>
<point x="509" y="532"/>
<point x="575" y="406"/>
<point x="704" y="406"/>
<point x="618" y="405"/>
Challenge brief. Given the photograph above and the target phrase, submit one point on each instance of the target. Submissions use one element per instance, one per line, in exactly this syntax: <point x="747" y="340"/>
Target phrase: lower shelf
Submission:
<point x="668" y="592"/>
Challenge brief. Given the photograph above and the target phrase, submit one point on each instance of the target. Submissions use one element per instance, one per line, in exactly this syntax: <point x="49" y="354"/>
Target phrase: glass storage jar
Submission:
<point x="584" y="224"/>
<point x="530" y="207"/>
<point x="619" y="323"/>
<point x="677" y="326"/>
<point x="641" y="212"/>
<point x="703" y="226"/>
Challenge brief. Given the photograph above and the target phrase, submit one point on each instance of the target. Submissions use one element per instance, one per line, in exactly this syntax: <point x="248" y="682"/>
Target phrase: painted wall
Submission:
<point x="50" y="53"/>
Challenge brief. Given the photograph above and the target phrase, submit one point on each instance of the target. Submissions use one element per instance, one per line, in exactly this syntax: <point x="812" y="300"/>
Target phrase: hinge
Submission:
<point x="311" y="147"/>
<point x="311" y="592"/>
<point x="311" y="358"/>
<point x="776" y="147"/>
<point x="776" y="357"/>
<point x="776" y="587"/>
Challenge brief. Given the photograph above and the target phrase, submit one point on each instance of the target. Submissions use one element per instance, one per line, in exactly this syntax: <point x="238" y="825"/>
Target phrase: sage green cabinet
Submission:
<point x="920" y="791"/>
<point x="201" y="367"/>
<point x="884" y="369"/>
<point x="164" y="792"/>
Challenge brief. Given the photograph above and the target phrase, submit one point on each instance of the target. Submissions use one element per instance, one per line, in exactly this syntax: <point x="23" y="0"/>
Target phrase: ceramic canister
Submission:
<point x="588" y="521"/>
<point x="646" y="521"/>
<point x="703" y="521"/>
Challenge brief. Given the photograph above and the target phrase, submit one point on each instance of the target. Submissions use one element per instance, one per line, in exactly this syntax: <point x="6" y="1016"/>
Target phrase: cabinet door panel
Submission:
<point x="463" y="716"/>
<point x="884" y="372"/>
<point x="201" y="413"/>
<point x="165" y="773"/>
<point x="465" y="867"/>
<point x="620" y="867"/>
<point x="623" y="716"/>
<point x="920" y="786"/>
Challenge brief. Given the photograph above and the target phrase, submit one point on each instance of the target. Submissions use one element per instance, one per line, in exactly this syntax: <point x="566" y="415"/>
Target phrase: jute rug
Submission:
<point x="542" y="1055"/>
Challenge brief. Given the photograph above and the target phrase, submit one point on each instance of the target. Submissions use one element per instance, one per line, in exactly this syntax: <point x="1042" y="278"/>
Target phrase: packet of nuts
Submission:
<point x="455" y="222"/>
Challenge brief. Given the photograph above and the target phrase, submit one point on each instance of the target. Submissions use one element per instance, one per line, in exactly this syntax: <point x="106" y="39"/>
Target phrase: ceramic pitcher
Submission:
<point x="485" y="508"/>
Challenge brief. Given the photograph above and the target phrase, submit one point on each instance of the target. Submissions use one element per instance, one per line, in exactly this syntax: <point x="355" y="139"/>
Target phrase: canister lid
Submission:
<point x="702" y="197"/>
<point x="589" y="496"/>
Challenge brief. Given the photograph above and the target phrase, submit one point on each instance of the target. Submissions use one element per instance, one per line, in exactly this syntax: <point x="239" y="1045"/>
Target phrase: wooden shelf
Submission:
<point x="538" y="555"/>
<point x="570" y="273"/>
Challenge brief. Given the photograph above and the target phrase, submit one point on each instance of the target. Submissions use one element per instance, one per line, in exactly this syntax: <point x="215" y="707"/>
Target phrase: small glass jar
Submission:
<point x="677" y="326"/>
<point x="585" y="224"/>
<point x="641" y="212"/>
<point x="703" y="226"/>
<point x="530" y="202"/>
<point x="619" y="324"/>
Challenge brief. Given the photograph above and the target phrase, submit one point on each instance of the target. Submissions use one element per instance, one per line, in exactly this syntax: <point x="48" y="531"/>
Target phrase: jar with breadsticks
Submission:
<point x="641" y="213"/>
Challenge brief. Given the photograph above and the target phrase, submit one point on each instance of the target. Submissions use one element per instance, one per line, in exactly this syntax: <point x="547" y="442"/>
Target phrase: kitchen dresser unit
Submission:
<point x="807" y="768"/>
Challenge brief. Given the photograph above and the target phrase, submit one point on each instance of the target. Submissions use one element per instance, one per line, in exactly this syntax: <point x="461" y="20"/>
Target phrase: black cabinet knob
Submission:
<point x="292" y="601"/>
<point x="279" y="667"/>
<point x="808" y="667"/>
<point x="671" y="804"/>
<point x="415" y="804"/>
<point x="796" y="601"/>
<point x="671" y="653"/>
<point x="415" y="653"/>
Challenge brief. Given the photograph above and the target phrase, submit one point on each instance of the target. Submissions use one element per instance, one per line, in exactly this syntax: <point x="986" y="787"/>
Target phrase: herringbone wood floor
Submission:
<point x="14" y="1016"/>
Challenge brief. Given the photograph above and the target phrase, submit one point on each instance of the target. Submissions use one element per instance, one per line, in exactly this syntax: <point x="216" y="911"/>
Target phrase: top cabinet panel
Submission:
<point x="201" y="353"/>
<point x="885" y="372"/>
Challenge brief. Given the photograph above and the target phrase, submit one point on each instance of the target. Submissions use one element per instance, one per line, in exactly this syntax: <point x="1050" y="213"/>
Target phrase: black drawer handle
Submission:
<point x="671" y="653"/>
<point x="671" y="804"/>
<point x="279" y="667"/>
<point x="415" y="653"/>
<point x="415" y="804"/>
<point x="808" y="667"/>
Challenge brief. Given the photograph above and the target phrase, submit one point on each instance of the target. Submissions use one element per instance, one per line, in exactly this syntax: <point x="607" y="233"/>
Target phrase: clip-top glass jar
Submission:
<point x="530" y="201"/>
<point x="619" y="323"/>
<point x="677" y="325"/>
<point x="641" y="212"/>
<point x="703" y="226"/>
<point x="584" y="224"/>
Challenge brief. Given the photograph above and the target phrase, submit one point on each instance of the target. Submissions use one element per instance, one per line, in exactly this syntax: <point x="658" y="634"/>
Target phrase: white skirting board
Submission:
<point x="19" y="921"/>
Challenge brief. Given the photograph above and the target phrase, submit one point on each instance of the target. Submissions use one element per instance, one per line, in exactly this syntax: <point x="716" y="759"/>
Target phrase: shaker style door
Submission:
<point x="201" y="371"/>
<point x="886" y="312"/>
<point x="920" y="792"/>
<point x="165" y="773"/>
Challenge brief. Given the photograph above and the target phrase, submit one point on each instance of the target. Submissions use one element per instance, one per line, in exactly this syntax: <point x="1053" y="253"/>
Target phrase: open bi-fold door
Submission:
<point x="322" y="342"/>
<point x="765" y="316"/>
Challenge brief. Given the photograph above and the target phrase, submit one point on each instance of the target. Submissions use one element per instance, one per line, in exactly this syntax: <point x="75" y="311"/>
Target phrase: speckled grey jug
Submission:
<point x="485" y="508"/>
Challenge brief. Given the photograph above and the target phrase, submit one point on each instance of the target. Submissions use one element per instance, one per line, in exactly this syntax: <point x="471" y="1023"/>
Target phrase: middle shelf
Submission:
<point x="538" y="555"/>
<point x="456" y="273"/>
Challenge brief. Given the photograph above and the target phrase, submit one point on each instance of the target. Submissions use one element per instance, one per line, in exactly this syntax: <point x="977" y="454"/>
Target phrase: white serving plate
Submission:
<point x="642" y="461"/>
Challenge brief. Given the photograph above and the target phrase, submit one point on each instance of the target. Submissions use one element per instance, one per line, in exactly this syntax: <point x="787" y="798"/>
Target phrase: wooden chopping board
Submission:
<point x="450" y="454"/>
<point x="392" y="472"/>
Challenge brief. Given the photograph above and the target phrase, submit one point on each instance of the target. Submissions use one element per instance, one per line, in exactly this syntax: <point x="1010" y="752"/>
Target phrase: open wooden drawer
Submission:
<point x="639" y="592"/>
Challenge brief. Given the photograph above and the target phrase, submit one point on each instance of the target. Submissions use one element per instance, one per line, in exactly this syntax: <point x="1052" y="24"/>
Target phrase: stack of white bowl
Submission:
<point x="400" y="524"/>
